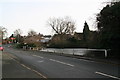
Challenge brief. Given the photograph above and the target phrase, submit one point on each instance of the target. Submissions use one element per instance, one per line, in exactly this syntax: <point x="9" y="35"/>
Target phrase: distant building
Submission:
<point x="46" y="38"/>
<point x="38" y="40"/>
<point x="33" y="40"/>
<point x="78" y="36"/>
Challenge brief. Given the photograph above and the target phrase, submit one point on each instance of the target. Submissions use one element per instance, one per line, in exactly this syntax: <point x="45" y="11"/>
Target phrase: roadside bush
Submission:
<point x="31" y="45"/>
<point x="20" y="45"/>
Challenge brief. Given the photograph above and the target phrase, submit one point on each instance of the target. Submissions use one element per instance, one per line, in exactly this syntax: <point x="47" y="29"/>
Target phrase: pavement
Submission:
<point x="13" y="69"/>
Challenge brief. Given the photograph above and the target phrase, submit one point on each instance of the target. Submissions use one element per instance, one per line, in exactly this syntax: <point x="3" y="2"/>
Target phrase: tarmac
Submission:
<point x="13" y="69"/>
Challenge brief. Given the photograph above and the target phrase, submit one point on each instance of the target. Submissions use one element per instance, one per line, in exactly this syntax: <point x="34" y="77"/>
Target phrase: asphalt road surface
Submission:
<point x="38" y="64"/>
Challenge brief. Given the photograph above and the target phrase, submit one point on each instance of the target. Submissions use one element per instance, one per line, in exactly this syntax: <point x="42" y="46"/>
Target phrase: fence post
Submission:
<point x="105" y="53"/>
<point x="73" y="51"/>
<point x="62" y="51"/>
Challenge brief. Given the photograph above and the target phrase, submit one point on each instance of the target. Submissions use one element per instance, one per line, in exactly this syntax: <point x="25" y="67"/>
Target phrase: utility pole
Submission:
<point x="1" y="37"/>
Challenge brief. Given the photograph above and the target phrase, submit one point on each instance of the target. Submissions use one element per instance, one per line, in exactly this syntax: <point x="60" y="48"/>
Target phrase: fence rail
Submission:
<point x="79" y="51"/>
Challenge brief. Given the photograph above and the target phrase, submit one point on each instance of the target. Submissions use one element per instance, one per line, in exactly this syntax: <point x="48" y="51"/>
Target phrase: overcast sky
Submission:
<point x="33" y="14"/>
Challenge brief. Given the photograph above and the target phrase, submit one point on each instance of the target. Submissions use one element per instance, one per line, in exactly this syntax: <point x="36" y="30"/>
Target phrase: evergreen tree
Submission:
<point x="109" y="27"/>
<point x="12" y="35"/>
<point x="86" y="31"/>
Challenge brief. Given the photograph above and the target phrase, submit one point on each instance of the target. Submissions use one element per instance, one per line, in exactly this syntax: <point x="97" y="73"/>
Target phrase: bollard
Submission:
<point x="33" y="49"/>
<point x="30" y="48"/>
<point x="37" y="48"/>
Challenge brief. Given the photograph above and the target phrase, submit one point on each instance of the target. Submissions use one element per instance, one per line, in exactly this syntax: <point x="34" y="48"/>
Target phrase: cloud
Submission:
<point x="35" y="14"/>
<point x="68" y="1"/>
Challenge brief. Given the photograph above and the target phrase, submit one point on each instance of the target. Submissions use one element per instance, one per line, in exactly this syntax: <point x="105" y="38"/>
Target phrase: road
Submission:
<point x="54" y="66"/>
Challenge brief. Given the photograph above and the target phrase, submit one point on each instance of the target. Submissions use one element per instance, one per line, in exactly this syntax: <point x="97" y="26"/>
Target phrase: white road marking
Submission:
<point x="86" y="60"/>
<point x="107" y="75"/>
<point x="38" y="56"/>
<point x="40" y="61"/>
<point x="62" y="62"/>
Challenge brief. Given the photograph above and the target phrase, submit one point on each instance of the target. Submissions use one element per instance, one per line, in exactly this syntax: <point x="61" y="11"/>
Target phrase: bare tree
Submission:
<point x="17" y="32"/>
<point x="32" y="33"/>
<point x="111" y="2"/>
<point x="17" y="35"/>
<point x="62" y="25"/>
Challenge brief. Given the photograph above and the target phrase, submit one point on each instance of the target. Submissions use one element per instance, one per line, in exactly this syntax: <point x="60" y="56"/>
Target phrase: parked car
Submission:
<point x="1" y="48"/>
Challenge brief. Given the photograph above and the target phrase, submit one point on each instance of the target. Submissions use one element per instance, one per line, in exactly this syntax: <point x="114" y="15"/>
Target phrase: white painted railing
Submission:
<point x="78" y="51"/>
